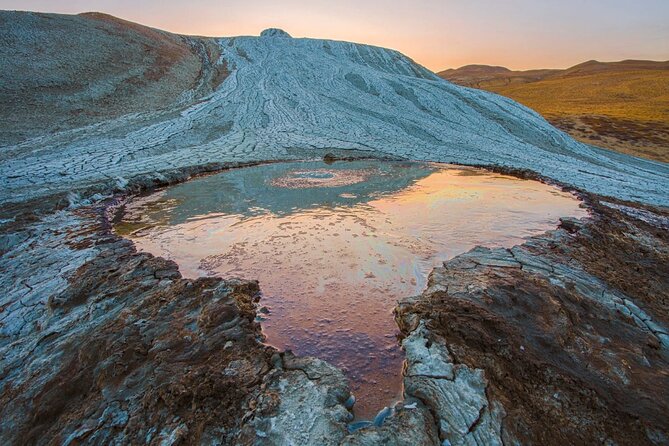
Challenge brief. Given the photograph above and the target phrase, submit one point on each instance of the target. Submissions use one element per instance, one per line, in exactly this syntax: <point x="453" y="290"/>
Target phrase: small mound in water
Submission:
<point x="300" y="179"/>
<point x="336" y="246"/>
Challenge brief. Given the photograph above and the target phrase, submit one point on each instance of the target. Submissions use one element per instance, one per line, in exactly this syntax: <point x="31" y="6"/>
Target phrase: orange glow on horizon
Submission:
<point x="439" y="34"/>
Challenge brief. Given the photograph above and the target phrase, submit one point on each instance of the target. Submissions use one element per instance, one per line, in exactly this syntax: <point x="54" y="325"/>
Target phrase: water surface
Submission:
<point x="335" y="246"/>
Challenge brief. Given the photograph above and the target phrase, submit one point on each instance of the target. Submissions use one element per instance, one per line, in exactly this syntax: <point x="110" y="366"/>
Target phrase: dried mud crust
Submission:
<point x="119" y="348"/>
<point x="569" y="329"/>
<point x="168" y="102"/>
<point x="560" y="340"/>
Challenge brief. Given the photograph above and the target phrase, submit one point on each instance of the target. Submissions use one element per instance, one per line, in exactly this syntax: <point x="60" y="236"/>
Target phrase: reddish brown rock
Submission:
<point x="569" y="329"/>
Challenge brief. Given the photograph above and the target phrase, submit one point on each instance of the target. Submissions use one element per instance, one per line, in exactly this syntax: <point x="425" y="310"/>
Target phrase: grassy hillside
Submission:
<point x="623" y="106"/>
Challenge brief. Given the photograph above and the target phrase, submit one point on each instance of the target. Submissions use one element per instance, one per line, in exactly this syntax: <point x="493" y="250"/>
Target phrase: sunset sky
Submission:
<point x="439" y="34"/>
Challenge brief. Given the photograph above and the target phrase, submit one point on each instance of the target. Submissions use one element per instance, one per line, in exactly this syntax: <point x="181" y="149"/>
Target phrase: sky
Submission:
<point x="440" y="34"/>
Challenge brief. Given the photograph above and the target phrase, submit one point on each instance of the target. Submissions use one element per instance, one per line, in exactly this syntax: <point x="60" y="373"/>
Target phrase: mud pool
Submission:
<point x="335" y="246"/>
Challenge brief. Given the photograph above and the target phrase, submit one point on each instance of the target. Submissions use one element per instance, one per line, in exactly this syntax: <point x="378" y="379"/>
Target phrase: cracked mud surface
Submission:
<point x="119" y="348"/>
<point x="570" y="329"/>
<point x="561" y="339"/>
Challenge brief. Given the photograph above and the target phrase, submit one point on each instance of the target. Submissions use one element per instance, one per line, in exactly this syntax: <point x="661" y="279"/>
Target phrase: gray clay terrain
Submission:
<point x="561" y="340"/>
<point x="91" y="97"/>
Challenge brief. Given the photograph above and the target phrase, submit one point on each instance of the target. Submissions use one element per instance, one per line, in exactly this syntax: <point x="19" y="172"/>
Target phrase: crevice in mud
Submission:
<point x="476" y="422"/>
<point x="298" y="369"/>
<point x="444" y="377"/>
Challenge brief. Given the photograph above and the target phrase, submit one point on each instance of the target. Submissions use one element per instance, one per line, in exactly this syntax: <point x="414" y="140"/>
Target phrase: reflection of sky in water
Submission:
<point x="251" y="191"/>
<point x="333" y="261"/>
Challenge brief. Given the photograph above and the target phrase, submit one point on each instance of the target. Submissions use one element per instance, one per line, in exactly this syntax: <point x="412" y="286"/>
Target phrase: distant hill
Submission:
<point x="486" y="76"/>
<point x="623" y="105"/>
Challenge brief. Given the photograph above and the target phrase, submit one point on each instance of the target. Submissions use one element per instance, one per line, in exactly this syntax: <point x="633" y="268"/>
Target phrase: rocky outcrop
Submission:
<point x="563" y="338"/>
<point x="101" y="344"/>
<point x="303" y="402"/>
<point x="274" y="32"/>
<point x="453" y="393"/>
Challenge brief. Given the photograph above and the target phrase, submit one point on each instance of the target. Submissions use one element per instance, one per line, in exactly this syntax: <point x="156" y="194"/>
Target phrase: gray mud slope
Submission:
<point x="91" y="99"/>
<point x="60" y="72"/>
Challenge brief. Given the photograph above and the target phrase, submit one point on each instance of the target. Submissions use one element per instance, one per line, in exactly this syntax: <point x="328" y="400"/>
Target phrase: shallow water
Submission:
<point x="335" y="246"/>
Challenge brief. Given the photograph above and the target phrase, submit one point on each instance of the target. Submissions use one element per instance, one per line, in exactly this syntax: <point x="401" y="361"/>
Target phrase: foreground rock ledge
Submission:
<point x="561" y="340"/>
<point x="569" y="331"/>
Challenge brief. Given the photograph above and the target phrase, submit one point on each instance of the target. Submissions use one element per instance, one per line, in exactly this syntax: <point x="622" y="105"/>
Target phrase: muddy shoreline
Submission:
<point x="124" y="349"/>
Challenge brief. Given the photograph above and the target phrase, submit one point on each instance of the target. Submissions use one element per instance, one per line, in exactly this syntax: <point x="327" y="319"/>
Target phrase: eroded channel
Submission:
<point x="336" y="246"/>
